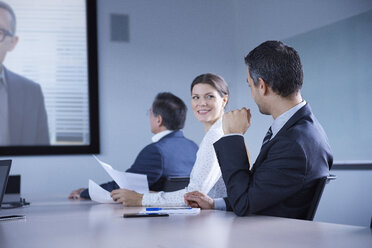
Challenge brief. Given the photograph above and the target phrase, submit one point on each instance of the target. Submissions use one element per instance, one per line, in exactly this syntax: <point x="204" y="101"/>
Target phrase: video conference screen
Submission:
<point x="48" y="81"/>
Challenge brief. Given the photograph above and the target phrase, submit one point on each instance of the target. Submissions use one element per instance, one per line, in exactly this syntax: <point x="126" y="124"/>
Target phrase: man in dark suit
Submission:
<point x="28" y="122"/>
<point x="295" y="151"/>
<point x="170" y="154"/>
<point x="23" y="117"/>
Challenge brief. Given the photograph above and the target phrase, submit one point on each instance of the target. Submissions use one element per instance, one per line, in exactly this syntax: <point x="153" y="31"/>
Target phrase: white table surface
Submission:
<point x="66" y="223"/>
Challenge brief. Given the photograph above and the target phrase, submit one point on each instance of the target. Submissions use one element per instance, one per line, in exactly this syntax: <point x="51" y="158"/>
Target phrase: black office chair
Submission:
<point x="318" y="194"/>
<point x="175" y="183"/>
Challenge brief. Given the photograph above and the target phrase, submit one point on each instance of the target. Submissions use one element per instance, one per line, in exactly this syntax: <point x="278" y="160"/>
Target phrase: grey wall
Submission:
<point x="258" y="21"/>
<point x="347" y="200"/>
<point x="170" y="43"/>
<point x="337" y="61"/>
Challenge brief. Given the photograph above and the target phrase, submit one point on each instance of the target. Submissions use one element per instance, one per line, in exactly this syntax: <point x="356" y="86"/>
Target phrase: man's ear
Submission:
<point x="262" y="87"/>
<point x="13" y="43"/>
<point x="159" y="120"/>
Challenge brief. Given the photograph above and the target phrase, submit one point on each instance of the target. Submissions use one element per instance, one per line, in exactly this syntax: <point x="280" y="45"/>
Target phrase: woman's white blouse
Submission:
<point x="205" y="175"/>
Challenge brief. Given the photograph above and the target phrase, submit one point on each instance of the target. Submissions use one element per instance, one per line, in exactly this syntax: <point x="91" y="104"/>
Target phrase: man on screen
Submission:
<point x="23" y="118"/>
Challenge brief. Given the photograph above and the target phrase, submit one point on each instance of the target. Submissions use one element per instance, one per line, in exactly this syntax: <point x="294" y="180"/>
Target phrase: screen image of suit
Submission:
<point x="28" y="123"/>
<point x="282" y="180"/>
<point x="172" y="155"/>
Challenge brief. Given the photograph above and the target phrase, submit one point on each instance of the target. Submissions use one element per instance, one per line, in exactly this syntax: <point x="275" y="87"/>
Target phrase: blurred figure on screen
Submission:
<point x="23" y="118"/>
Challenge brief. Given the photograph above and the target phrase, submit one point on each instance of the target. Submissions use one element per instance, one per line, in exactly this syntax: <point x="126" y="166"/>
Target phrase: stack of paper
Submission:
<point x="125" y="180"/>
<point x="172" y="210"/>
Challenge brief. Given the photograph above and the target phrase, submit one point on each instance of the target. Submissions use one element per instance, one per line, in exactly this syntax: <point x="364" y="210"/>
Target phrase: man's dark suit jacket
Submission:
<point x="283" y="177"/>
<point x="172" y="155"/>
<point x="28" y="124"/>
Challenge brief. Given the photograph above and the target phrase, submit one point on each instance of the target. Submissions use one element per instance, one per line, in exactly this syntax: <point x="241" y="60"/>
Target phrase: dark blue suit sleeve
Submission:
<point x="279" y="176"/>
<point x="42" y="136"/>
<point x="149" y="162"/>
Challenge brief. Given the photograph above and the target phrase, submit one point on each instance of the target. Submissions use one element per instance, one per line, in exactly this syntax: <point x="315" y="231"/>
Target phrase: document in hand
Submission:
<point x="98" y="194"/>
<point x="125" y="180"/>
<point x="172" y="210"/>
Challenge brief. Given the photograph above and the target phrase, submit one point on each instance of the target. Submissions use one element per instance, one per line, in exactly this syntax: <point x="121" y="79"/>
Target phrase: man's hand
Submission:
<point x="127" y="197"/>
<point x="75" y="195"/>
<point x="197" y="199"/>
<point x="237" y="121"/>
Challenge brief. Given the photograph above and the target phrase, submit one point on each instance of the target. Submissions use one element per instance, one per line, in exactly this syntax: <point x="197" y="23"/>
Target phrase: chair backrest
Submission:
<point x="175" y="183"/>
<point x="317" y="195"/>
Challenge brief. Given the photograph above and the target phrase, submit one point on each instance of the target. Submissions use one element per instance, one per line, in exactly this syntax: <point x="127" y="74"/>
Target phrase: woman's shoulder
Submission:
<point x="216" y="128"/>
<point x="214" y="133"/>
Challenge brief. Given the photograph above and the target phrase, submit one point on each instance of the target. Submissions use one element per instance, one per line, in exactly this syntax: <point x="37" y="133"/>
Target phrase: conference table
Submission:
<point x="61" y="222"/>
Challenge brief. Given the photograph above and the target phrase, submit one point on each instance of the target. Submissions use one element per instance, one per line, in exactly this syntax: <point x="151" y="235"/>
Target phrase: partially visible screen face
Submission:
<point x="3" y="176"/>
<point x="51" y="53"/>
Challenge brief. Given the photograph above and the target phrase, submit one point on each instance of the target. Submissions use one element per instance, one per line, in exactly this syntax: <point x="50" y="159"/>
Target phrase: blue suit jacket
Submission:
<point x="282" y="180"/>
<point x="173" y="155"/>
<point x="28" y="123"/>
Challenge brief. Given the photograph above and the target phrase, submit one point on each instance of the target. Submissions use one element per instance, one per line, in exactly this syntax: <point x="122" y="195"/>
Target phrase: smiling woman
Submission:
<point x="48" y="57"/>
<point x="209" y="96"/>
<point x="209" y="93"/>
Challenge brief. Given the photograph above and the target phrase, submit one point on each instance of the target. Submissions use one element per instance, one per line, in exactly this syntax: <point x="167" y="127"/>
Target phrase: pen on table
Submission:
<point x="158" y="209"/>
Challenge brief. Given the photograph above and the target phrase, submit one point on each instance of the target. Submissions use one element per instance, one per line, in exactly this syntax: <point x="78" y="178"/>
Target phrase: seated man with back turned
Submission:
<point x="170" y="154"/>
<point x="295" y="151"/>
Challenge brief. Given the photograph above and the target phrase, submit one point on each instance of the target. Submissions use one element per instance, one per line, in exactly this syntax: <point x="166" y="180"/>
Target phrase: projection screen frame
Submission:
<point x="92" y="61"/>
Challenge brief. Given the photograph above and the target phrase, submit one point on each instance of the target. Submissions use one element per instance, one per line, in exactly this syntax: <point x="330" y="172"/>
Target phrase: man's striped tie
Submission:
<point x="267" y="136"/>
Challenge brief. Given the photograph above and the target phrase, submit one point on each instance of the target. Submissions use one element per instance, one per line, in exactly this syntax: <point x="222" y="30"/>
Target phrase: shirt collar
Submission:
<point x="160" y="135"/>
<point x="283" y="118"/>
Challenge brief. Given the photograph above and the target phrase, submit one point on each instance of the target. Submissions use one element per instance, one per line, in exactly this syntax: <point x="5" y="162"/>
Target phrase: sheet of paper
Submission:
<point x="98" y="194"/>
<point x="125" y="180"/>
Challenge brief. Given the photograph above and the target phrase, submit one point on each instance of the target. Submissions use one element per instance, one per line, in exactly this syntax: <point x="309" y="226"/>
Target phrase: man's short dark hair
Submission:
<point x="7" y="7"/>
<point x="172" y="110"/>
<point x="278" y="65"/>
